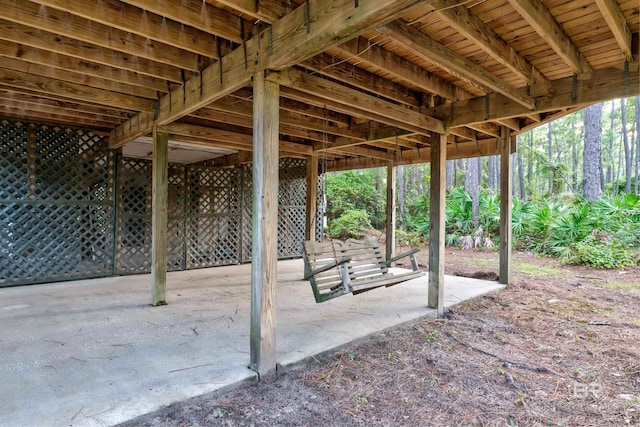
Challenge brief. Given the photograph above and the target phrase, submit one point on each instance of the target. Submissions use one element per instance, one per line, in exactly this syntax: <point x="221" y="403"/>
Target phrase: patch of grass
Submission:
<point x="539" y="270"/>
<point x="633" y="288"/>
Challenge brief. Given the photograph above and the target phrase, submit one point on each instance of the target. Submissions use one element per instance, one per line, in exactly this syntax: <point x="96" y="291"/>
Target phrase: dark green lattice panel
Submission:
<point x="292" y="193"/>
<point x="177" y="218"/>
<point x="214" y="217"/>
<point x="133" y="247"/>
<point x="13" y="160"/>
<point x="56" y="206"/>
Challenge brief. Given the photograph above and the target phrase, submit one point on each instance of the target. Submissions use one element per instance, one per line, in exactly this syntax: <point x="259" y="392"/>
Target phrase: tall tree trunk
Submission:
<point x="637" y="141"/>
<point x="530" y="163"/>
<point x="471" y="184"/>
<point x="550" y="156"/>
<point x="401" y="170"/>
<point x="493" y="172"/>
<point x="592" y="166"/>
<point x="627" y="150"/>
<point x="523" y="195"/>
<point x="514" y="162"/>
<point x="574" y="156"/>
<point x="611" y="164"/>
<point x="450" y="169"/>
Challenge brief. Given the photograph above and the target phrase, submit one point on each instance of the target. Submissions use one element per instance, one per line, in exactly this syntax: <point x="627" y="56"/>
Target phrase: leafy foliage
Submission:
<point x="354" y="223"/>
<point x="354" y="204"/>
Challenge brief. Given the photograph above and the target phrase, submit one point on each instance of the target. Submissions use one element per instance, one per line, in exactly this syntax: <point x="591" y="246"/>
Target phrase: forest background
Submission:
<point x="575" y="193"/>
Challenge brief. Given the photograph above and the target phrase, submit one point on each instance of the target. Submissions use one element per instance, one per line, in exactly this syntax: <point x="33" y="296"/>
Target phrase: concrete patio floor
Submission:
<point x="94" y="353"/>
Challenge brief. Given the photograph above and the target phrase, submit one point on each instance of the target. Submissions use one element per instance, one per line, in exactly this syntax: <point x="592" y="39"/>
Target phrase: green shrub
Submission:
<point x="353" y="223"/>
<point x="602" y="252"/>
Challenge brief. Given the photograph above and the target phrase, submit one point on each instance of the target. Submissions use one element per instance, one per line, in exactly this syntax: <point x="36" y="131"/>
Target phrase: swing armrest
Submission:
<point x="409" y="253"/>
<point x="326" y="267"/>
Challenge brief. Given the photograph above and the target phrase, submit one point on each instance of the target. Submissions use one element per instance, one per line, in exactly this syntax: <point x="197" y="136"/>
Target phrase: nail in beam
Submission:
<point x="264" y="225"/>
<point x="436" y="227"/>
<point x="160" y="165"/>
<point x="506" y="184"/>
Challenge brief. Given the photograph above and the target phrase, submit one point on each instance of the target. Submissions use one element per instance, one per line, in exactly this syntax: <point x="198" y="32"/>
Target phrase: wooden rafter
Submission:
<point x="312" y="28"/>
<point x="539" y="17"/>
<point x="612" y="13"/>
<point x="135" y="20"/>
<point x="457" y="65"/>
<point x="474" y="29"/>
<point x="81" y="29"/>
<point x="587" y="88"/>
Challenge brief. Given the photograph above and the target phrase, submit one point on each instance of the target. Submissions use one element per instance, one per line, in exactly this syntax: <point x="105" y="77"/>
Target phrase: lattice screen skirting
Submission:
<point x="70" y="209"/>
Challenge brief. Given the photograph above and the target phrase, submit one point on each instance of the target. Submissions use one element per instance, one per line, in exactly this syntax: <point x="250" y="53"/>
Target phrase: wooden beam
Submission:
<point x="197" y="14"/>
<point x="374" y="107"/>
<point x="75" y="27"/>
<point x="44" y="40"/>
<point x="432" y="51"/>
<point x="617" y="23"/>
<point x="412" y="74"/>
<point x="65" y="68"/>
<point x="544" y="23"/>
<point x="16" y="79"/>
<point x="311" y="28"/>
<point x="134" y="129"/>
<point x="264" y="227"/>
<point x="437" y="189"/>
<point x="505" y="206"/>
<point x="391" y="210"/>
<point x="469" y="25"/>
<point x="208" y="133"/>
<point x="312" y="198"/>
<point x="267" y="11"/>
<point x="160" y="186"/>
<point x="122" y="16"/>
<point x="587" y="88"/>
<point x="346" y="73"/>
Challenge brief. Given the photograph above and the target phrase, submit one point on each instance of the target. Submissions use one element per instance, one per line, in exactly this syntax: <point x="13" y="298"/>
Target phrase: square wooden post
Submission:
<point x="312" y="197"/>
<point x="506" y="184"/>
<point x="160" y="186"/>
<point x="264" y="225"/>
<point x="391" y="210"/>
<point x="437" y="220"/>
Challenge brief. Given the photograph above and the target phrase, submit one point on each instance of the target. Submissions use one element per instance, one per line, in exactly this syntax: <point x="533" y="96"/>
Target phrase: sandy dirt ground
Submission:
<point x="559" y="347"/>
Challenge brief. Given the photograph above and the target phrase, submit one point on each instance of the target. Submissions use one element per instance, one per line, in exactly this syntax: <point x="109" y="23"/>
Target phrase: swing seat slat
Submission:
<point x="337" y="268"/>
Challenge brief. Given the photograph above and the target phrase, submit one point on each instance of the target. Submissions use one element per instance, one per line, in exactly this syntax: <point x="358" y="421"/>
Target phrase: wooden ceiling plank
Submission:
<point x="206" y="133"/>
<point x="311" y="28"/>
<point x="196" y="14"/>
<point x="591" y="87"/>
<point x="463" y="21"/>
<point x="44" y="40"/>
<point x="433" y="51"/>
<point x="77" y="73"/>
<point x="543" y="22"/>
<point x="318" y="86"/>
<point x="54" y="118"/>
<point x="10" y="99"/>
<point x="128" y="18"/>
<point x="74" y="27"/>
<point x="379" y="57"/>
<point x="45" y="109"/>
<point x="74" y="91"/>
<point x="618" y="24"/>
<point x="268" y="11"/>
<point x="355" y="76"/>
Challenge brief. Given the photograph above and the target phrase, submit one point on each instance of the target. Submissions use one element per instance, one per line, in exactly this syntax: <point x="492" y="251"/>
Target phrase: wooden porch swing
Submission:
<point x="336" y="268"/>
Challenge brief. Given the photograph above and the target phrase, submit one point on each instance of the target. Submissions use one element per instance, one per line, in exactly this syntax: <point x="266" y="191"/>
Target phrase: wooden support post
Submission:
<point x="160" y="184"/>
<point x="506" y="184"/>
<point x="391" y="209"/>
<point x="265" y="225"/>
<point x="437" y="218"/>
<point x="312" y="197"/>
